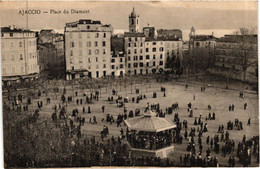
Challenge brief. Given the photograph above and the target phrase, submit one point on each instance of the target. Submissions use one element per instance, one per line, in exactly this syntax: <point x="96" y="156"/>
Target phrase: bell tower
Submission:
<point x="134" y="22"/>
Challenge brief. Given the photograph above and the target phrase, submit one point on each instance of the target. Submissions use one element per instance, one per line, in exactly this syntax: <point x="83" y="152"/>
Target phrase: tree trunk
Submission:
<point x="244" y="75"/>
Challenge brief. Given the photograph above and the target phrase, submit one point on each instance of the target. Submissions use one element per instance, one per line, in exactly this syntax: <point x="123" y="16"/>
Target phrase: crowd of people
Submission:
<point x="112" y="150"/>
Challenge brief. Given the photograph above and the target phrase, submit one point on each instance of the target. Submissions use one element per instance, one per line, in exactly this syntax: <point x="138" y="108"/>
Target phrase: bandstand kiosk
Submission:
<point x="150" y="136"/>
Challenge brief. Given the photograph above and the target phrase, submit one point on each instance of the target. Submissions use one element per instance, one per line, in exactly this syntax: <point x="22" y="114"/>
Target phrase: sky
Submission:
<point x="218" y="16"/>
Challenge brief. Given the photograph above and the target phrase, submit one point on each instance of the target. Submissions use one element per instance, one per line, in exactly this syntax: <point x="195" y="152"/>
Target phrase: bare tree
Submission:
<point x="245" y="51"/>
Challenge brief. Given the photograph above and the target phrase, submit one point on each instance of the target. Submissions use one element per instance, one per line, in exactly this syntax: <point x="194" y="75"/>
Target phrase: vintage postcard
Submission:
<point x="128" y="83"/>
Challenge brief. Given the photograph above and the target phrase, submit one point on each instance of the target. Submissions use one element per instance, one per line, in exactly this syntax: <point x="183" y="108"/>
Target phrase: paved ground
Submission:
<point x="219" y="99"/>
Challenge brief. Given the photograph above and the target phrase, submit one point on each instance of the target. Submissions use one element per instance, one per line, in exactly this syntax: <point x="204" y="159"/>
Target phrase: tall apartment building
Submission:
<point x="147" y="52"/>
<point x="135" y="52"/>
<point x="154" y="56"/>
<point x="19" y="55"/>
<point x="87" y="49"/>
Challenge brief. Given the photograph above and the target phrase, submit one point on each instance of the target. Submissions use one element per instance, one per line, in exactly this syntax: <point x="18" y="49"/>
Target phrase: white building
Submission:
<point x="154" y="56"/>
<point x="135" y="52"/>
<point x="147" y="52"/>
<point x="19" y="55"/>
<point x="87" y="49"/>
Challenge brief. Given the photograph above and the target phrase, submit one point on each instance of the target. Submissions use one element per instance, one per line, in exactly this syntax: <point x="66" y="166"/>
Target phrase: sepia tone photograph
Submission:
<point x="129" y="84"/>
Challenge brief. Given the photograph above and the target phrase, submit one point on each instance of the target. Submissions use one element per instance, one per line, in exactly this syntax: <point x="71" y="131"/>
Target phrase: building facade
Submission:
<point x="236" y="53"/>
<point x="154" y="56"/>
<point x="201" y="41"/>
<point x="148" y="51"/>
<point x="19" y="54"/>
<point x="135" y="52"/>
<point x="118" y="56"/>
<point x="87" y="49"/>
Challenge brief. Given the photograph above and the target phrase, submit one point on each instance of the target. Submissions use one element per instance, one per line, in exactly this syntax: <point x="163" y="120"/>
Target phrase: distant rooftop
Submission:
<point x="46" y="31"/>
<point x="13" y="29"/>
<point x="169" y="34"/>
<point x="83" y="21"/>
<point x="238" y="38"/>
<point x="204" y="37"/>
<point x="134" y="34"/>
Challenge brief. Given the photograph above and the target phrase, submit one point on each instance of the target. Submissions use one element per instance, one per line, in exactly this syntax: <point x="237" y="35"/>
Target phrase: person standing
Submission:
<point x="249" y="122"/>
<point x="103" y="109"/>
<point x="245" y="105"/>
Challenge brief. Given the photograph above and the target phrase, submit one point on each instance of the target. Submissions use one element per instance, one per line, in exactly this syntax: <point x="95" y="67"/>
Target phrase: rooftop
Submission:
<point x="83" y="21"/>
<point x="133" y="13"/>
<point x="238" y="38"/>
<point x="12" y="29"/>
<point x="135" y="34"/>
<point x="46" y="31"/>
<point x="204" y="37"/>
<point x="150" y="123"/>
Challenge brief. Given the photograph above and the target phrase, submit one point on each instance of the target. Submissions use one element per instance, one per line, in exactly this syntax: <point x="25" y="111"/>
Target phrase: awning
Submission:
<point x="10" y="78"/>
<point x="29" y="76"/>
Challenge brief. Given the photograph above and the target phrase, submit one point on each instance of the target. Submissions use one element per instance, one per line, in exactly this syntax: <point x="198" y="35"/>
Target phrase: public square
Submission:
<point x="184" y="93"/>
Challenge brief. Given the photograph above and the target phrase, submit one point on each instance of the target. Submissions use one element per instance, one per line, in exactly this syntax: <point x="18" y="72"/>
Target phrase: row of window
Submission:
<point x="90" y="73"/>
<point x="135" y="39"/>
<point x="89" y="60"/>
<point x="97" y="35"/>
<point x="88" y="44"/>
<point x="141" y="71"/>
<point x="96" y="51"/>
<point x="15" y="70"/>
<point x="20" y="44"/>
<point x="13" y="58"/>
<point x="154" y="49"/>
<point x="12" y="34"/>
<point x="97" y="66"/>
<point x="120" y="66"/>
<point x="168" y="45"/>
<point x="146" y="57"/>
<point x="154" y="43"/>
<point x="113" y="60"/>
<point x="135" y="45"/>
<point x="142" y="64"/>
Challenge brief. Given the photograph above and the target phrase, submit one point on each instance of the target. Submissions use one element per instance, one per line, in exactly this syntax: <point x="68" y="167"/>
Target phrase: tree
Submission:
<point x="170" y="62"/>
<point x="244" y="50"/>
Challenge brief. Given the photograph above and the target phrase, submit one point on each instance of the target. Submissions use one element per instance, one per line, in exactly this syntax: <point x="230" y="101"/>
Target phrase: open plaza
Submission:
<point x="95" y="112"/>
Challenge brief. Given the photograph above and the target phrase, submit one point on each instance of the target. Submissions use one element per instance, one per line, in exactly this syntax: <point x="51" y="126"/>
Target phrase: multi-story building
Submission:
<point x="154" y="56"/>
<point x="135" y="52"/>
<point x="173" y="49"/>
<point x="118" y="56"/>
<point x="236" y="55"/>
<point x="19" y="54"/>
<point x="87" y="49"/>
<point x="147" y="52"/>
<point x="201" y="41"/>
